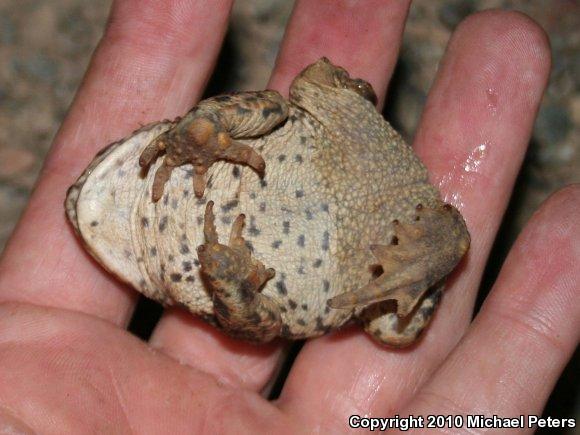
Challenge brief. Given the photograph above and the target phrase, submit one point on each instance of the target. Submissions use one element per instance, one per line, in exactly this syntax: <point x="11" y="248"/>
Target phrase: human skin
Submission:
<point x="67" y="363"/>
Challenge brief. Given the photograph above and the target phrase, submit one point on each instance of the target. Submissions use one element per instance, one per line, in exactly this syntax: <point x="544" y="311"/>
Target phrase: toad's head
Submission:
<point x="323" y="74"/>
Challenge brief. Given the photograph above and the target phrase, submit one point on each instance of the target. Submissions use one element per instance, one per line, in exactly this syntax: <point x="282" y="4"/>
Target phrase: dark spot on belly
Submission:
<point x="298" y="158"/>
<point x="286" y="227"/>
<point x="292" y="304"/>
<point x="281" y="157"/>
<point x="281" y="288"/>
<point x="186" y="266"/>
<point x="190" y="278"/>
<point x="299" y="193"/>
<point x="153" y="251"/>
<point x="320" y="324"/>
<point x="325" y="286"/>
<point x="301" y="322"/>
<point x="301" y="240"/>
<point x="276" y="244"/>
<point x="94" y="223"/>
<point x="317" y="263"/>
<point x="163" y="224"/>
<point x="236" y="172"/>
<point x="144" y="222"/>
<point x="184" y="249"/>
<point x="175" y="277"/>
<point x="230" y="205"/>
<point x="252" y="229"/>
<point x="325" y="241"/>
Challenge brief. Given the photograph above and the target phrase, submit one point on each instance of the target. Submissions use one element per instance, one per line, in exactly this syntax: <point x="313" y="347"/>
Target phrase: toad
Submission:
<point x="273" y="217"/>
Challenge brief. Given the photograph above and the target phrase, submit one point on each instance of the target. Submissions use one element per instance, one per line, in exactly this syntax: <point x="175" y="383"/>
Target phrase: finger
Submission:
<point x="97" y="378"/>
<point x="315" y="29"/>
<point x="528" y="328"/>
<point x="487" y="93"/>
<point x="363" y="37"/>
<point x="152" y="62"/>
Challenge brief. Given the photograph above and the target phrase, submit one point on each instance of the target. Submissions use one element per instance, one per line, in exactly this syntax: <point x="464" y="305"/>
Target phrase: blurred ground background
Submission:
<point x="45" y="46"/>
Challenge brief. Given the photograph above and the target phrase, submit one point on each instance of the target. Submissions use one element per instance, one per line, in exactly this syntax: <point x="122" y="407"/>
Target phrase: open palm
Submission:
<point x="67" y="363"/>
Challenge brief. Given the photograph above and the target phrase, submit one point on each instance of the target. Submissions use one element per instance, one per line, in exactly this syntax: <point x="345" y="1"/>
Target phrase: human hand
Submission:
<point x="69" y="365"/>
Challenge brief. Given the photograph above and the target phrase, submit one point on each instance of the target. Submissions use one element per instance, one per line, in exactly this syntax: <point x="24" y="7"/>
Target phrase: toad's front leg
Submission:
<point x="208" y="132"/>
<point x="421" y="254"/>
<point x="235" y="280"/>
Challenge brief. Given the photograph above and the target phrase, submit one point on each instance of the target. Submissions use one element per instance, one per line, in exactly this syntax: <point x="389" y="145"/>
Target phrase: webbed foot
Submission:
<point x="421" y="254"/>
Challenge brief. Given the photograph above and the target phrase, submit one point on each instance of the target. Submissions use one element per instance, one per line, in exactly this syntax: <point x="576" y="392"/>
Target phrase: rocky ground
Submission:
<point x="45" y="46"/>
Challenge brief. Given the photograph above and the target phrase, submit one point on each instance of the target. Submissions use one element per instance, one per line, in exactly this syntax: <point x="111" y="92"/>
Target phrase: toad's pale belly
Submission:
<point x="318" y="247"/>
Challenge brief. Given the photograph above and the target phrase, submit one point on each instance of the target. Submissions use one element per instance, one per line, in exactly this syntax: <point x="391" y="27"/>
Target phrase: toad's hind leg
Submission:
<point x="384" y="325"/>
<point x="235" y="280"/>
<point x="422" y="252"/>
